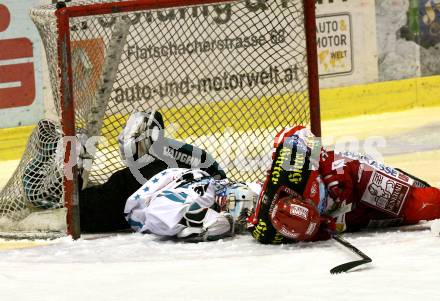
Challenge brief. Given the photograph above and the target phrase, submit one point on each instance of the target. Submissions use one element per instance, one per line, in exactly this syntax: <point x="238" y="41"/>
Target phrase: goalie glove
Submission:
<point x="140" y="132"/>
<point x="207" y="225"/>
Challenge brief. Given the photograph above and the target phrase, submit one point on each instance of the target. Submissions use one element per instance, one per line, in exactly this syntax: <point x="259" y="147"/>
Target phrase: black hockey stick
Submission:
<point x="342" y="268"/>
<point x="418" y="182"/>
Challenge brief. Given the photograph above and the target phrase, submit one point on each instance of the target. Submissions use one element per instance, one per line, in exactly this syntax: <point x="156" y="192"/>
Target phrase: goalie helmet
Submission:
<point x="240" y="199"/>
<point x="295" y="218"/>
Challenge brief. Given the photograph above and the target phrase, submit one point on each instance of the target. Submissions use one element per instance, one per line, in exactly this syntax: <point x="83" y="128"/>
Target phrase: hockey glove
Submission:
<point x="339" y="175"/>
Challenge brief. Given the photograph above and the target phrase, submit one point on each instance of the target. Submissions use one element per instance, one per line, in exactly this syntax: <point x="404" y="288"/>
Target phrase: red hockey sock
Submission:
<point x="423" y="204"/>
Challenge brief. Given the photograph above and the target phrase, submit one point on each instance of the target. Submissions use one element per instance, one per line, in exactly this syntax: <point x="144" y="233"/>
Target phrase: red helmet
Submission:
<point x="295" y="219"/>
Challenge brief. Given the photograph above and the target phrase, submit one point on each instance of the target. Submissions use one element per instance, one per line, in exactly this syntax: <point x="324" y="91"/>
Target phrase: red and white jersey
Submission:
<point x="308" y="147"/>
<point x="350" y="191"/>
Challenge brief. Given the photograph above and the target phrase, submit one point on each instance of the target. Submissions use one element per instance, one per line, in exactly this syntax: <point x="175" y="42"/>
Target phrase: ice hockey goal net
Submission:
<point x="226" y="76"/>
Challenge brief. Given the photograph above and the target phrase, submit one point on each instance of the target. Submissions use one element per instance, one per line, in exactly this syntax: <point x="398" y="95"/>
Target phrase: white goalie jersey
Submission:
<point x="174" y="200"/>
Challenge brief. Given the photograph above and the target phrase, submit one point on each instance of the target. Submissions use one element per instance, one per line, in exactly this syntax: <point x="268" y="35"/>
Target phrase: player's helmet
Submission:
<point x="295" y="218"/>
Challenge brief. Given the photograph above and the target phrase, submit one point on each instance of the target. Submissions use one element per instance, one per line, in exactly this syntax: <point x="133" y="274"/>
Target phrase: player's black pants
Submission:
<point x="102" y="206"/>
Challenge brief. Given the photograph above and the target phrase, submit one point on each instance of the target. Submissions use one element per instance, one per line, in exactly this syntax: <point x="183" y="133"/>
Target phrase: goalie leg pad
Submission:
<point x="140" y="132"/>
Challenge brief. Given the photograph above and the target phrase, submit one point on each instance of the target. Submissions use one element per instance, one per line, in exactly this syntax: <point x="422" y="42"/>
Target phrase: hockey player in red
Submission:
<point x="310" y="193"/>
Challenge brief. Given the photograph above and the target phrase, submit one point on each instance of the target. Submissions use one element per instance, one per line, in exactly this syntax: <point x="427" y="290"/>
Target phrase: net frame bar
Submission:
<point x="63" y="15"/>
<point x="312" y="62"/>
<point x="71" y="199"/>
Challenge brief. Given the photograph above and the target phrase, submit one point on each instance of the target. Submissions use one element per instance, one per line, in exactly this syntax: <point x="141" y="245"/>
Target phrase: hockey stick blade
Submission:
<point x="345" y="267"/>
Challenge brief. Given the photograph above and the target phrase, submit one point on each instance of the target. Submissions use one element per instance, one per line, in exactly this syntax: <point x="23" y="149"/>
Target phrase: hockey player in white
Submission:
<point x="173" y="188"/>
<point x="191" y="205"/>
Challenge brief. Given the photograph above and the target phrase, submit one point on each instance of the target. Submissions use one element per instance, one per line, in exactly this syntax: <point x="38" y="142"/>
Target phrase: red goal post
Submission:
<point x="247" y="75"/>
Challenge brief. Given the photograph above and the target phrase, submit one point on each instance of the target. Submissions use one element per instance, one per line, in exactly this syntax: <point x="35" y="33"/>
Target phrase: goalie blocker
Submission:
<point x="310" y="193"/>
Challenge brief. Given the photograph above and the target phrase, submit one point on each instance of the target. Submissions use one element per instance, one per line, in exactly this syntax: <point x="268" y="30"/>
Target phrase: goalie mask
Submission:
<point x="295" y="218"/>
<point x="240" y="199"/>
<point x="140" y="132"/>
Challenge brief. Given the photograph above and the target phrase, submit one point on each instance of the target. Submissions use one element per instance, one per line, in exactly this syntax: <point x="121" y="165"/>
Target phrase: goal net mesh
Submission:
<point x="226" y="77"/>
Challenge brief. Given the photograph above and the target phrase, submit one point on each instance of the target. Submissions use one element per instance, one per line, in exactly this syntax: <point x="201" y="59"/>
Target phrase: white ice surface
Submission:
<point x="406" y="266"/>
